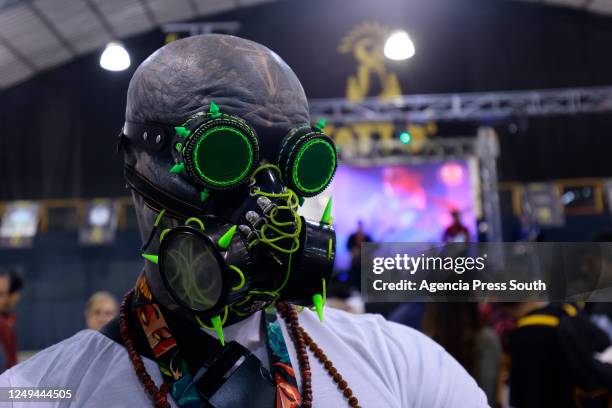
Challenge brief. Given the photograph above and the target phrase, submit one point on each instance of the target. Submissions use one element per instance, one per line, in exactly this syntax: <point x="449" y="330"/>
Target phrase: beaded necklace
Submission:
<point x="286" y="393"/>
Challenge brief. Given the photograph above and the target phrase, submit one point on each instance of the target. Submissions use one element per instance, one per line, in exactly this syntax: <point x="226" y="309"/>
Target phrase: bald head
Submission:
<point x="245" y="78"/>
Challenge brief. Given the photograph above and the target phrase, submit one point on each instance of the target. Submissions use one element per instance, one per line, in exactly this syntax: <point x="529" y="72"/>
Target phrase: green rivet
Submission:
<point x="151" y="258"/>
<point x="177" y="168"/>
<point x="204" y="195"/>
<point x="317" y="299"/>
<point x="214" y="110"/>
<point x="321" y="124"/>
<point x="216" y="323"/>
<point x="178" y="146"/>
<point x="182" y="131"/>
<point x="327" y="218"/>
<point x="226" y="239"/>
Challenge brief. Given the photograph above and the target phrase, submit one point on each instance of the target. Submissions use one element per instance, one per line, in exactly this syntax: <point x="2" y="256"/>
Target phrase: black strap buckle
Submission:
<point x="148" y="136"/>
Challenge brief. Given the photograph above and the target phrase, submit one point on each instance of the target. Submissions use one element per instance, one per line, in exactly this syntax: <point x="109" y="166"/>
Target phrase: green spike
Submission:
<point x="214" y="110"/>
<point x="226" y="239"/>
<point x="182" y="131"/>
<point x="216" y="322"/>
<point x="327" y="218"/>
<point x="317" y="299"/>
<point x="204" y="195"/>
<point x="151" y="258"/>
<point x="301" y="200"/>
<point x="321" y="124"/>
<point x="177" y="168"/>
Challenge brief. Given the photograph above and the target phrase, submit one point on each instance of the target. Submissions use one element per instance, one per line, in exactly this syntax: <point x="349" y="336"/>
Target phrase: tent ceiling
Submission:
<point x="39" y="34"/>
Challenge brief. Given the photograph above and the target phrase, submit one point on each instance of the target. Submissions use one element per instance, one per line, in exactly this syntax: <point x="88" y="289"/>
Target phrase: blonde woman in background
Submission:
<point x="100" y="309"/>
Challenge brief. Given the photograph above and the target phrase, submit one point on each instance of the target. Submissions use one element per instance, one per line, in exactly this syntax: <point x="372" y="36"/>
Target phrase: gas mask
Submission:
<point x="244" y="246"/>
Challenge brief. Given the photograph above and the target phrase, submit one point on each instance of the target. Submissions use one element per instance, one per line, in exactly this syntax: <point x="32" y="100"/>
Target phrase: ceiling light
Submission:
<point x="115" y="57"/>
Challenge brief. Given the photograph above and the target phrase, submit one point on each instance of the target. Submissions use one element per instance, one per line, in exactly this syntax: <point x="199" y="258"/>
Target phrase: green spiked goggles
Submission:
<point x="220" y="151"/>
<point x="217" y="151"/>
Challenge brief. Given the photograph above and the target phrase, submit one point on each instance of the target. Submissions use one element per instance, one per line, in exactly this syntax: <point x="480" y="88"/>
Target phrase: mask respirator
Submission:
<point x="244" y="246"/>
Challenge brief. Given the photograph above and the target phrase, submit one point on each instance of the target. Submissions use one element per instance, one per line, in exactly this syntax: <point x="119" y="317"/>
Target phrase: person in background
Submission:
<point x="456" y="232"/>
<point x="8" y="344"/>
<point x="15" y="289"/>
<point x="553" y="358"/>
<point x="458" y="328"/>
<point x="100" y="309"/>
<point x="354" y="246"/>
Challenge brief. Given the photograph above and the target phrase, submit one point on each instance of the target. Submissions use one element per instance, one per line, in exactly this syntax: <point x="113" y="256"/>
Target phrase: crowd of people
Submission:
<point x="522" y="354"/>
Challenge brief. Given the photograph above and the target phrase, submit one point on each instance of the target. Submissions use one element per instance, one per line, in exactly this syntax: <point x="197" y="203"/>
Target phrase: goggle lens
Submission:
<point x="314" y="166"/>
<point x="223" y="156"/>
<point x="191" y="270"/>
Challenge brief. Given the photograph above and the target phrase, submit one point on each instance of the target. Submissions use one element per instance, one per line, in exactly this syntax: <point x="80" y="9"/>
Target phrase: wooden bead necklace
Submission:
<point x="300" y="338"/>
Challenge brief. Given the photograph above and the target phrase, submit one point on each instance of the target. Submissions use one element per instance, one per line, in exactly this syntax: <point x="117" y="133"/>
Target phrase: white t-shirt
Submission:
<point x="384" y="363"/>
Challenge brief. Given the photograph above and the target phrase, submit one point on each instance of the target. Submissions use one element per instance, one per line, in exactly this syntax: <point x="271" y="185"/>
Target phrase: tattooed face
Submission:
<point x="244" y="78"/>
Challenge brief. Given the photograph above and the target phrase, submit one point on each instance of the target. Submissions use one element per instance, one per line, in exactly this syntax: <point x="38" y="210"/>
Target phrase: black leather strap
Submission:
<point x="148" y="136"/>
<point x="157" y="199"/>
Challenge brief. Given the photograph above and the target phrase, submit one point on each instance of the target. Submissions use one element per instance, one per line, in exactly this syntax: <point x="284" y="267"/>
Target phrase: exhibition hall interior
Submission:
<point x="198" y="200"/>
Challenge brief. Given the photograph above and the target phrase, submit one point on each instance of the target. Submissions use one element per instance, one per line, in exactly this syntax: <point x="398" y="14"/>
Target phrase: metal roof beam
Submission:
<point x="51" y="27"/>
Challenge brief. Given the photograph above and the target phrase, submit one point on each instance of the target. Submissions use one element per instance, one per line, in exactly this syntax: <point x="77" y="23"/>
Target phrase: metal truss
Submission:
<point x="465" y="106"/>
<point x="391" y="152"/>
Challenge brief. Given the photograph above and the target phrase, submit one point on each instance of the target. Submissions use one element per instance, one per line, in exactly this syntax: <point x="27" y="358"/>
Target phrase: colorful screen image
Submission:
<point x="401" y="203"/>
